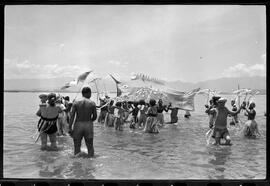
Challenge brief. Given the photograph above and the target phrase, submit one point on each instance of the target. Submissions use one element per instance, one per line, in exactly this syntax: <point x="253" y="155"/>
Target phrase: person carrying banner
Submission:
<point x="151" y="121"/>
<point x="103" y="110"/>
<point x="160" y="109"/>
<point x="174" y="112"/>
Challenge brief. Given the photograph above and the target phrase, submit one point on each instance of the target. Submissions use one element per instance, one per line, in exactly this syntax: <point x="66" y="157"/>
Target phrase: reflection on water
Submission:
<point x="177" y="152"/>
<point x="220" y="155"/>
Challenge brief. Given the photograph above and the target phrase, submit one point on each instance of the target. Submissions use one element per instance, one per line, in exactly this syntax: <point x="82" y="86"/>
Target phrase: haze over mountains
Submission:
<point x="226" y="85"/>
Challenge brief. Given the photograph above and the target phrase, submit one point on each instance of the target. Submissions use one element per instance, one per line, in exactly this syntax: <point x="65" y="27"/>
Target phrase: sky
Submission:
<point x="190" y="43"/>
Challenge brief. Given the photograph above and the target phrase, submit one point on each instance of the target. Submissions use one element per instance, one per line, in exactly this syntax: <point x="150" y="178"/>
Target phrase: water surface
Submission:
<point x="177" y="152"/>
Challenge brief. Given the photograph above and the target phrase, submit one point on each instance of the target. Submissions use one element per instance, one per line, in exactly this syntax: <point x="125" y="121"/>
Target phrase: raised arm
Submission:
<point x="234" y="113"/>
<point x="101" y="106"/>
<point x="166" y="108"/>
<point x="247" y="111"/>
<point x="210" y="110"/>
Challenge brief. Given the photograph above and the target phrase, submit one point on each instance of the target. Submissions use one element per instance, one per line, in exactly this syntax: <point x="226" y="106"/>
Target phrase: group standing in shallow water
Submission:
<point x="59" y="116"/>
<point x="218" y="114"/>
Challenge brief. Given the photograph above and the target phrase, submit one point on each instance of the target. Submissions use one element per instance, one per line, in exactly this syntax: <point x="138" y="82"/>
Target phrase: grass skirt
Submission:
<point x="250" y="128"/>
<point x="151" y="125"/>
<point x="109" y="120"/>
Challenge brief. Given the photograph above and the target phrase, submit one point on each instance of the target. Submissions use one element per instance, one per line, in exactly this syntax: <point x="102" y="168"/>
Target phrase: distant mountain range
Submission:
<point x="225" y="85"/>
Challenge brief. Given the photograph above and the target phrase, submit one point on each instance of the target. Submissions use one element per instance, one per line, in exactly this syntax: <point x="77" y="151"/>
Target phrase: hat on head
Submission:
<point x="43" y="95"/>
<point x="222" y="100"/>
<point x="252" y="103"/>
<point x="52" y="96"/>
<point x="215" y="98"/>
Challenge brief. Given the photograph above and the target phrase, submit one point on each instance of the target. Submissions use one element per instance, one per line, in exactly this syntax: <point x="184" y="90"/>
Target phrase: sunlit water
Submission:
<point x="177" y="152"/>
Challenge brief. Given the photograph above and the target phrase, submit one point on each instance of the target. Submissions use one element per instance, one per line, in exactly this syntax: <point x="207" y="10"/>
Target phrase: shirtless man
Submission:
<point x="84" y="113"/>
<point x="220" y="124"/>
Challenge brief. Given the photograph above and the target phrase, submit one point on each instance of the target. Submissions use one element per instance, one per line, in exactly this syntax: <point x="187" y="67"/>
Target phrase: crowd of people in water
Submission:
<point x="61" y="116"/>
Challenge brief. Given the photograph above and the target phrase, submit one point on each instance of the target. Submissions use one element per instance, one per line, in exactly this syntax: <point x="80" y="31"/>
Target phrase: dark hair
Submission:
<point x="111" y="102"/>
<point x="86" y="90"/>
<point x="67" y="98"/>
<point x="135" y="103"/>
<point x="118" y="104"/>
<point x="152" y="102"/>
<point x="142" y="102"/>
<point x="51" y="99"/>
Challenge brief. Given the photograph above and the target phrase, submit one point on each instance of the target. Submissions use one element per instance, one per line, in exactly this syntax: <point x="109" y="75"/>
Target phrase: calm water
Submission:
<point x="177" y="152"/>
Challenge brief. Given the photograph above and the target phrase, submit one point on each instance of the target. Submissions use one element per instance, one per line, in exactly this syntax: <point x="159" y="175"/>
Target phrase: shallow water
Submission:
<point x="177" y="152"/>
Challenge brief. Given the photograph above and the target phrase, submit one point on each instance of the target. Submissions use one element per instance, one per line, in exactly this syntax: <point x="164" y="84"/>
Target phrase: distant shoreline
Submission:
<point x="57" y="91"/>
<point x="45" y="91"/>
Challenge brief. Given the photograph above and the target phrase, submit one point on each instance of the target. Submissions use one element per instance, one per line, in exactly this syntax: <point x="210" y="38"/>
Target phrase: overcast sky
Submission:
<point x="170" y="42"/>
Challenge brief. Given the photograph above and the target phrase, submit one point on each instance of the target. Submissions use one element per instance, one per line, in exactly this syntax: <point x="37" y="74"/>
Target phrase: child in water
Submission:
<point x="220" y="125"/>
<point x="251" y="127"/>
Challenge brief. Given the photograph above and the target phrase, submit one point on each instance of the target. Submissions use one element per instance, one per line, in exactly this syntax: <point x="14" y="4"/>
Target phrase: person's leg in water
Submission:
<point x="53" y="141"/>
<point x="43" y="138"/>
<point x="144" y="120"/>
<point x="217" y="141"/>
<point x="217" y="137"/>
<point x="228" y="140"/>
<point x="226" y="136"/>
<point x="90" y="146"/>
<point x="88" y="138"/>
<point x="77" y="137"/>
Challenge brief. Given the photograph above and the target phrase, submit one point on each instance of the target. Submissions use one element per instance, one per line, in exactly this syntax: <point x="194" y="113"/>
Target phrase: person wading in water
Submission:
<point x="84" y="113"/>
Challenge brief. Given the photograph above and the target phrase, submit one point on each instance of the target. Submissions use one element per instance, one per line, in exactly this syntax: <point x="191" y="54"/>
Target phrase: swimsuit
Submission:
<point x="47" y="125"/>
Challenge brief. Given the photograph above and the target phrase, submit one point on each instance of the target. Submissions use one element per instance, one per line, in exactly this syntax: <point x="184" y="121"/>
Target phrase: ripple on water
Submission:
<point x="178" y="151"/>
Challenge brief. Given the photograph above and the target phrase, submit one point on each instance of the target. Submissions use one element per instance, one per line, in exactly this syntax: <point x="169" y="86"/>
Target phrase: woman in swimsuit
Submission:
<point x="48" y="114"/>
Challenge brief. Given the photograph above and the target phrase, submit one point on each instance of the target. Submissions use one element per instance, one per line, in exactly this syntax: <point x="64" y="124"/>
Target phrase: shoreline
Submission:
<point x="45" y="91"/>
<point x="49" y="91"/>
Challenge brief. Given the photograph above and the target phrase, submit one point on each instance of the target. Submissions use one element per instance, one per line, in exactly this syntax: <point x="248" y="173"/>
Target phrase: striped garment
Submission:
<point x="47" y="126"/>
